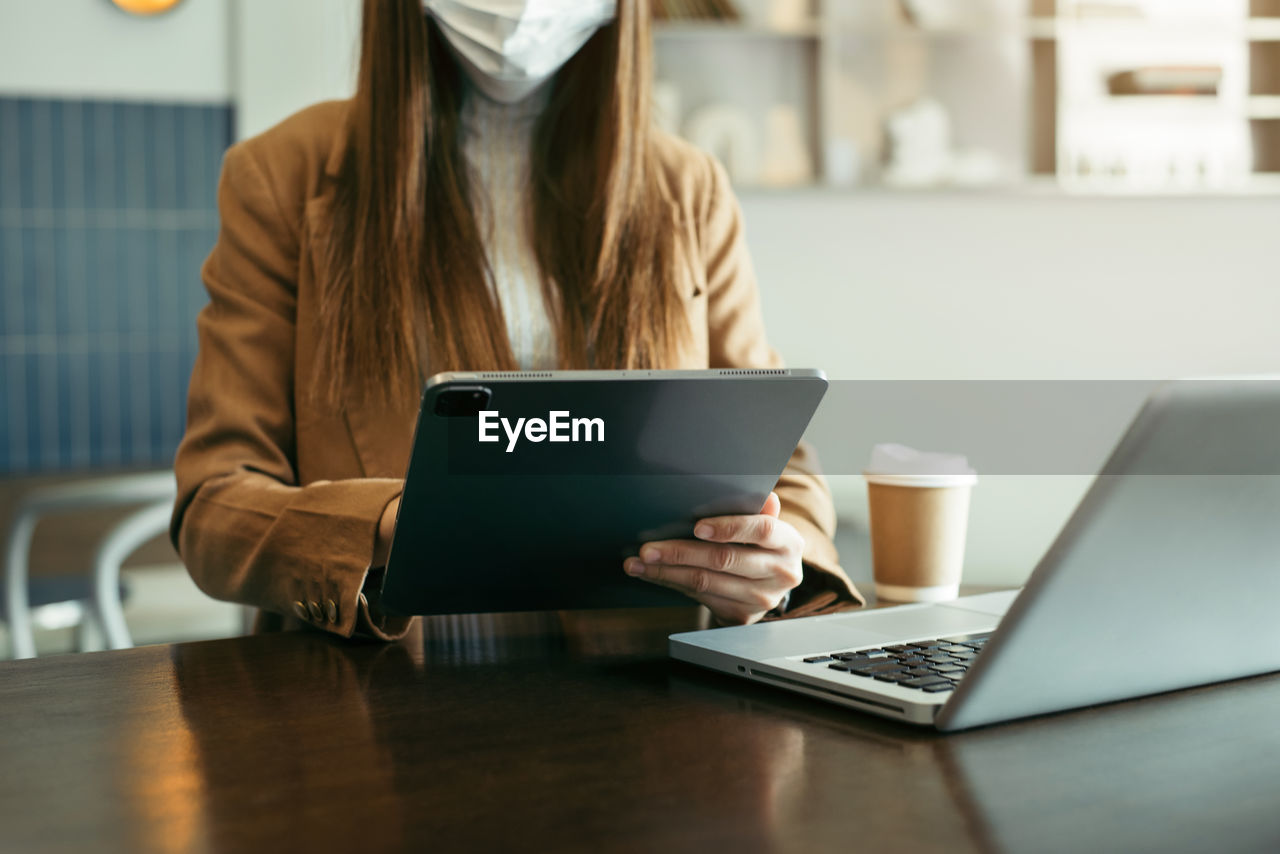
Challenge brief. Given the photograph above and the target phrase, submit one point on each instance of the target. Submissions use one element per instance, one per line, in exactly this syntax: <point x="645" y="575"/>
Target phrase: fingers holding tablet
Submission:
<point x="740" y="567"/>
<point x="764" y="529"/>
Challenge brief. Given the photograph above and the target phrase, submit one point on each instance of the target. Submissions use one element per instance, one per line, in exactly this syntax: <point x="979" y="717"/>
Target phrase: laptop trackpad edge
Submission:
<point x="783" y="638"/>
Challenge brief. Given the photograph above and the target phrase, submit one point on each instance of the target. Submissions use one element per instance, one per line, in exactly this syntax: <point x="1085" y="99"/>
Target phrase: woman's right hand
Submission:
<point x="386" y="529"/>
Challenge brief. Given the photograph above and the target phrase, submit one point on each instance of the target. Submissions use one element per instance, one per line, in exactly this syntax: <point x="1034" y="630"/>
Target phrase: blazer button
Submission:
<point x="300" y="610"/>
<point x="317" y="613"/>
<point x="331" y="610"/>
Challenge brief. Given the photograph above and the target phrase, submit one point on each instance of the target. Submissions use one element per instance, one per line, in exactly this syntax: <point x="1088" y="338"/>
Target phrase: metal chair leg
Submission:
<point x="89" y="634"/>
<point x="126" y="537"/>
<point x="71" y="497"/>
<point x="22" y="641"/>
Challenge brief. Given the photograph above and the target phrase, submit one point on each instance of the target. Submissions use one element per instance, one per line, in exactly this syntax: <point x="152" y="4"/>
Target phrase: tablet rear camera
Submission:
<point x="463" y="401"/>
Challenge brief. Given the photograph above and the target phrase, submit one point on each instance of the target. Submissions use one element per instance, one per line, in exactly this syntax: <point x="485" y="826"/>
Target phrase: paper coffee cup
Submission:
<point x="918" y="528"/>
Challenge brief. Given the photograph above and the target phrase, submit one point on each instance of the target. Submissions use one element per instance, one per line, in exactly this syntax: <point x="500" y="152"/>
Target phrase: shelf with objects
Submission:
<point x="1151" y="97"/>
<point x="1129" y="96"/>
<point x="742" y="80"/>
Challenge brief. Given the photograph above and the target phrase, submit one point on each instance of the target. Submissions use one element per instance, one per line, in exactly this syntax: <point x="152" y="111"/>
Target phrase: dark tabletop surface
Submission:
<point x="575" y="732"/>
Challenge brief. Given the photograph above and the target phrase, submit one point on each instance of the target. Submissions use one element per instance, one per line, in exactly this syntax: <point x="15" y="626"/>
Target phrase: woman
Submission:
<point x="494" y="197"/>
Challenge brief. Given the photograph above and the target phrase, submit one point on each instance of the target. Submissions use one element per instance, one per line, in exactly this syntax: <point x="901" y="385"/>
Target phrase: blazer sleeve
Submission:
<point x="246" y="530"/>
<point x="736" y="339"/>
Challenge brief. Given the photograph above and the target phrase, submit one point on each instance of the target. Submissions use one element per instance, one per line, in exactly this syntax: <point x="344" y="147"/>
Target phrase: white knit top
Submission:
<point x="496" y="140"/>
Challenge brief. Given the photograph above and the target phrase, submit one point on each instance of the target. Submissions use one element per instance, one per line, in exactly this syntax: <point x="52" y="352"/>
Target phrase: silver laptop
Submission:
<point x="1167" y="575"/>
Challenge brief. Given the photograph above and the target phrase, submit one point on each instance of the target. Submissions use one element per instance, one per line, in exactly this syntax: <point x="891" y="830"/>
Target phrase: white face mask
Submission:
<point x="511" y="47"/>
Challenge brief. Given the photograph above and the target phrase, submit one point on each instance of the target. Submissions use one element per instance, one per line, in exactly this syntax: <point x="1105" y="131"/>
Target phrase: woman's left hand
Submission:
<point x="740" y="567"/>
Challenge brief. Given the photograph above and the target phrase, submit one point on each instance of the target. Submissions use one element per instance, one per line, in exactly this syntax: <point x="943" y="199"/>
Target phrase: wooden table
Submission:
<point x="575" y="732"/>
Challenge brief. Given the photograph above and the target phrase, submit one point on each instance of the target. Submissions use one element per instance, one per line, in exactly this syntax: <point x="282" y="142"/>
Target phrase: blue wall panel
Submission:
<point x="107" y="211"/>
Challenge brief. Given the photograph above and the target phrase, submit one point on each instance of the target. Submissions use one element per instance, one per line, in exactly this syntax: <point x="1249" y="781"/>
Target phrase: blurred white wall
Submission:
<point x="269" y="58"/>
<point x="936" y="285"/>
<point x="1018" y="285"/>
<point x="288" y="54"/>
<point x="90" y="49"/>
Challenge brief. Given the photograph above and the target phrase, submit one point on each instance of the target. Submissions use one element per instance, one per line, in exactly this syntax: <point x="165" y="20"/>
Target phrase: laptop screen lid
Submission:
<point x="1166" y="576"/>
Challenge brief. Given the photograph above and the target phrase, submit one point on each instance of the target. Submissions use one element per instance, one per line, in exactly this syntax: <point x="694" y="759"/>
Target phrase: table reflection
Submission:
<point x="1179" y="772"/>
<point x="498" y="731"/>
<point x="274" y="734"/>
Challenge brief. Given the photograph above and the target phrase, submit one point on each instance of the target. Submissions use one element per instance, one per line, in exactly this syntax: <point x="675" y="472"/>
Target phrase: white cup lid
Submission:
<point x="921" y="480"/>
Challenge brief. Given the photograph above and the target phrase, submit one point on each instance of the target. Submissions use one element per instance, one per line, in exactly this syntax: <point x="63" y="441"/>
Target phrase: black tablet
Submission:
<point x="527" y="490"/>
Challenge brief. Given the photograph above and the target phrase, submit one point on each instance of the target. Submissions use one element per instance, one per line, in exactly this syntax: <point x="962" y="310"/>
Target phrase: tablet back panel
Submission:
<point x="543" y="525"/>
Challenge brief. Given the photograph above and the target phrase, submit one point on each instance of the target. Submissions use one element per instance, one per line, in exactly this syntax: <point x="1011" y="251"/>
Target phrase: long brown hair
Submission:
<point x="409" y="290"/>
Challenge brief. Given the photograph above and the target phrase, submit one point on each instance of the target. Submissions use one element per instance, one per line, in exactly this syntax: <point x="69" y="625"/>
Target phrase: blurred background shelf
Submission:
<point x="1264" y="107"/>
<point x="736" y="29"/>
<point x="918" y="94"/>
<point x="1246" y="29"/>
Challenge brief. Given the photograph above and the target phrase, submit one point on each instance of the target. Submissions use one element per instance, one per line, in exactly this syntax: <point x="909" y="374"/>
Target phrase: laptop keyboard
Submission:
<point x="932" y="666"/>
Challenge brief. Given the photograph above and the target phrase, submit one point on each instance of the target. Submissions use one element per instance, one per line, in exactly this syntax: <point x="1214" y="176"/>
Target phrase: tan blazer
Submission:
<point x="278" y="498"/>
